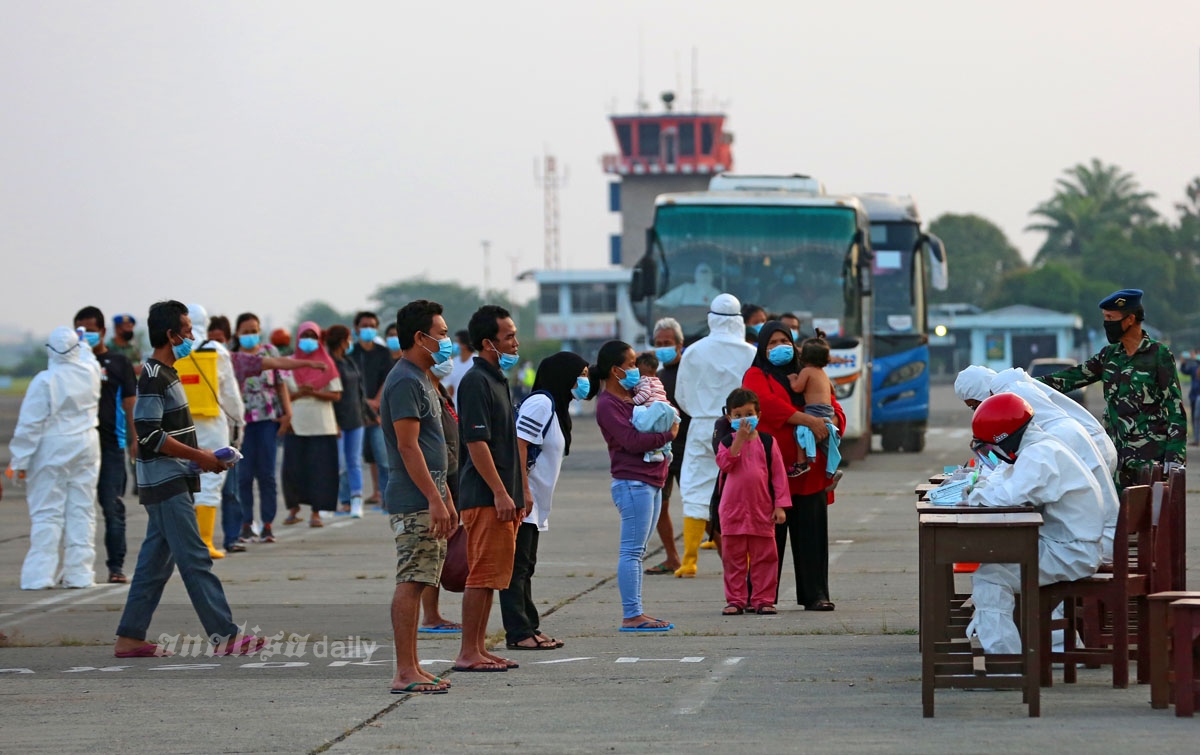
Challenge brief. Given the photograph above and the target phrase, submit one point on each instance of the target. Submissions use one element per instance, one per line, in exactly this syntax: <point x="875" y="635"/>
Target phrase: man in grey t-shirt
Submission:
<point x="422" y="512"/>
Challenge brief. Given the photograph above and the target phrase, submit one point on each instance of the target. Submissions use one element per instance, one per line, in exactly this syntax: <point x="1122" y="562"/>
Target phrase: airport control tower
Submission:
<point x="660" y="153"/>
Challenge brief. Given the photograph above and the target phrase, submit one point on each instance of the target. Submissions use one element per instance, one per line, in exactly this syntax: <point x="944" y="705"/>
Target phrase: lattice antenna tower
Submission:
<point x="551" y="181"/>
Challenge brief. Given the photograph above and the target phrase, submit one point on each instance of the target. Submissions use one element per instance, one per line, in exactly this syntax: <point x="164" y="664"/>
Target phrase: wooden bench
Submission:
<point x="1009" y="538"/>
<point x="1186" y="615"/>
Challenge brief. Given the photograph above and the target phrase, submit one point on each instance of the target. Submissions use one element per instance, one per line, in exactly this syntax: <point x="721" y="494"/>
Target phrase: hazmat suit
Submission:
<point x="708" y="371"/>
<point x="55" y="443"/>
<point x="1095" y="430"/>
<point x="1058" y="423"/>
<point x="1051" y="477"/>
<point x="213" y="432"/>
<point x="974" y="383"/>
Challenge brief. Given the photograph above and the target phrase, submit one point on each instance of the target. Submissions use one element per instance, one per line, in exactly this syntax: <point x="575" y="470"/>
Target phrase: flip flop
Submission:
<point x="766" y="611"/>
<point x="510" y="665"/>
<point x="557" y="643"/>
<point x="660" y="569"/>
<point x="248" y="645"/>
<point x="149" y="650"/>
<point x="737" y="610"/>
<point x="483" y="667"/>
<point x="447" y="627"/>
<point x="117" y="578"/>
<point x="412" y="689"/>
<point x="645" y="626"/>
<point x="293" y="520"/>
<point x="541" y="645"/>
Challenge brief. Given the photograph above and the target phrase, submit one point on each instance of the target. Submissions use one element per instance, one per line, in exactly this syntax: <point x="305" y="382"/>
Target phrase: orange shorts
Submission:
<point x="491" y="546"/>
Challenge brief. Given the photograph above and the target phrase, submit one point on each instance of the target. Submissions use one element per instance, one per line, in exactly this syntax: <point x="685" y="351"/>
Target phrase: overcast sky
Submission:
<point x="256" y="155"/>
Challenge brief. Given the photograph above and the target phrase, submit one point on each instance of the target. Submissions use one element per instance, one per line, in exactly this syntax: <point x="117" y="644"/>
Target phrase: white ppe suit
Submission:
<point x="56" y="444"/>
<point x="1051" y="477"/>
<point x="1058" y="423"/>
<point x="1095" y="430"/>
<point x="708" y="371"/>
<point x="213" y="432"/>
<point x="974" y="383"/>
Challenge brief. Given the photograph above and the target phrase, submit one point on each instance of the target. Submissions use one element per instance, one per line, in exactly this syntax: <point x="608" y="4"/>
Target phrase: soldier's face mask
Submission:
<point x="1114" y="330"/>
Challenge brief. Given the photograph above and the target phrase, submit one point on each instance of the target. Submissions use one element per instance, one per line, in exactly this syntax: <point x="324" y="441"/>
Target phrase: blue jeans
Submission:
<point x="231" y="507"/>
<point x="373" y="437"/>
<point x="109" y="489"/>
<point x="350" y="464"/>
<point x="639" y="504"/>
<point x="258" y="463"/>
<point x="1195" y="423"/>
<point x="172" y="537"/>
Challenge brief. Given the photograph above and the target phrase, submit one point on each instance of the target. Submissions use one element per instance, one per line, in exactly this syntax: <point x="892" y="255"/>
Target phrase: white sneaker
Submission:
<point x="356" y="507"/>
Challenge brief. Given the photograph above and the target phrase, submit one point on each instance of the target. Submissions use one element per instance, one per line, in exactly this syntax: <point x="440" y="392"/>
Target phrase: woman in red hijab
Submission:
<point x="310" y="452"/>
<point x="782" y="411"/>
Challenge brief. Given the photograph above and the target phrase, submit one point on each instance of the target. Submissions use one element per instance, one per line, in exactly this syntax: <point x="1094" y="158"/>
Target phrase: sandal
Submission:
<point x="660" y="569"/>
<point x="293" y="519"/>
<point x="766" y="611"/>
<point x="732" y="610"/>
<point x="314" y="522"/>
<point x="546" y="644"/>
<point x="119" y="578"/>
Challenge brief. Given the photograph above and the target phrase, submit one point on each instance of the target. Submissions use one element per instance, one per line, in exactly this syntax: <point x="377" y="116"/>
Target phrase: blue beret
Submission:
<point x="124" y="319"/>
<point x="1126" y="298"/>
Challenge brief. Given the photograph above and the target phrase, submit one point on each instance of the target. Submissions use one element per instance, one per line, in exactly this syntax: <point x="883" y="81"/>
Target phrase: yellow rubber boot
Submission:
<point x="206" y="519"/>
<point x="693" y="533"/>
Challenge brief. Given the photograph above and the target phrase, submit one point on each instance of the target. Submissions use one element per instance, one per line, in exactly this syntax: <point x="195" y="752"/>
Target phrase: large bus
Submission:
<point x="906" y="263"/>
<point x="775" y="241"/>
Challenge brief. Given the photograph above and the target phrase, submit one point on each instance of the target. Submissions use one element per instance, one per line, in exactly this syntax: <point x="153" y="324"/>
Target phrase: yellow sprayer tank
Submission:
<point x="198" y="374"/>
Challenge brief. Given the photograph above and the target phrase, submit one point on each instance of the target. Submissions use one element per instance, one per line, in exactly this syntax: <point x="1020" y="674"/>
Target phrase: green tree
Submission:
<point x="978" y="256"/>
<point x="322" y="314"/>
<point x="458" y="302"/>
<point x="1090" y="200"/>
<point x="1051" y="286"/>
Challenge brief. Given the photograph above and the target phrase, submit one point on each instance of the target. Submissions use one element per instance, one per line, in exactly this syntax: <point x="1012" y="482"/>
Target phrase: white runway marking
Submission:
<point x="80" y="598"/>
<point x="563" y="660"/>
<point x="707" y="688"/>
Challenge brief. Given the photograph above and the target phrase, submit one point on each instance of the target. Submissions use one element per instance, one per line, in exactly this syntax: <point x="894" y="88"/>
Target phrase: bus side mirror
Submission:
<point x="644" y="283"/>
<point x="939" y="275"/>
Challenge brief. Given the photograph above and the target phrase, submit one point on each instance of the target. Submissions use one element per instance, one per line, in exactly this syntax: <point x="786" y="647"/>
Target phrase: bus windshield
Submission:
<point x="785" y="258"/>
<point x="898" y="309"/>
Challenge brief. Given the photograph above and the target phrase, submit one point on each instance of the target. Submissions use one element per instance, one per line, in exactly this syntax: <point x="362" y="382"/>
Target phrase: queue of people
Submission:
<point x="452" y="451"/>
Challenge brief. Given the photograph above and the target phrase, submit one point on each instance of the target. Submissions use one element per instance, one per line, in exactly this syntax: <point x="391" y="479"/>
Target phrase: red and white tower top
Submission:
<point x="670" y="143"/>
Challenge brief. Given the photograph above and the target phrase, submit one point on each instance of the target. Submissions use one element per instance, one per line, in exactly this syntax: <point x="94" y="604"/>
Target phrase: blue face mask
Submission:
<point x="367" y="335"/>
<point x="93" y="339"/>
<point x="350" y="347"/>
<point x="781" y="354"/>
<point x="184" y="349"/>
<point x="443" y="370"/>
<point x="444" y="352"/>
<point x="582" y="388"/>
<point x="393" y="343"/>
<point x="507" y="361"/>
<point x="795" y="335"/>
<point x="307" y="345"/>
<point x="755" y="329"/>
<point x="751" y="422"/>
<point x="456" y="349"/>
<point x="630" y="381"/>
<point x="248" y="340"/>
<point x="666" y="354"/>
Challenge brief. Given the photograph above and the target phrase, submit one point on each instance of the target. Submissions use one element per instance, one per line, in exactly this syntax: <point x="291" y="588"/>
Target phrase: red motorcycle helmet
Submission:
<point x="999" y="424"/>
<point x="280" y="338"/>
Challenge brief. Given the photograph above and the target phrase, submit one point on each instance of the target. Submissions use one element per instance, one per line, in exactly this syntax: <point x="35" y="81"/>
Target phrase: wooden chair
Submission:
<point x="1158" y="641"/>
<point x="1130" y="579"/>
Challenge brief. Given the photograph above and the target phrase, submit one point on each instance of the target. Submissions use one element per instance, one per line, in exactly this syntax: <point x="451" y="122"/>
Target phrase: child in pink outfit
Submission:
<point x="754" y="495"/>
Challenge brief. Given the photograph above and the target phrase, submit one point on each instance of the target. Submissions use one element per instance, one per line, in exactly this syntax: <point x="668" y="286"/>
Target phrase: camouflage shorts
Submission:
<point x="419" y="555"/>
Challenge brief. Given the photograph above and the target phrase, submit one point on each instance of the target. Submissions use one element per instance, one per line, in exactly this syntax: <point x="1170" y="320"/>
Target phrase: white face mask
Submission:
<point x="443" y="370"/>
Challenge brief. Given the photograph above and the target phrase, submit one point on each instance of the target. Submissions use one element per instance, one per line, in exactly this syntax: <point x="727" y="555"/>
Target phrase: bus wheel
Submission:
<point x="892" y="439"/>
<point x="915" y="442"/>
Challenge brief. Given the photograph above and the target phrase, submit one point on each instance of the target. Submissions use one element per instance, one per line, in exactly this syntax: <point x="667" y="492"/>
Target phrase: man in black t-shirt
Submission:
<point x="118" y="392"/>
<point x="374" y="362"/>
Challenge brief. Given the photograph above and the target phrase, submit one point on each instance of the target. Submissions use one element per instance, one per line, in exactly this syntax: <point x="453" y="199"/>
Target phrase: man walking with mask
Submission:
<point x="1144" y="406"/>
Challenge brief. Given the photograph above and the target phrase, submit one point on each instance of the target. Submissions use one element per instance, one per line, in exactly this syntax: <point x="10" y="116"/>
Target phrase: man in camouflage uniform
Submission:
<point x="1144" y="406"/>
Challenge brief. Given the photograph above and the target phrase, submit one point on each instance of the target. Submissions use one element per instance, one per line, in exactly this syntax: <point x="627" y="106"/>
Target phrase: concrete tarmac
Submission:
<point x="840" y="682"/>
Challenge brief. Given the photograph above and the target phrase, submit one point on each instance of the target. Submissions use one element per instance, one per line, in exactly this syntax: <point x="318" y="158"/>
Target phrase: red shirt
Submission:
<point x="776" y="407"/>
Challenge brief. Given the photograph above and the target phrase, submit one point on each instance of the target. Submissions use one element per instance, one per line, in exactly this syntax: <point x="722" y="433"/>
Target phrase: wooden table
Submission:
<point x="944" y="576"/>
<point x="1008" y="538"/>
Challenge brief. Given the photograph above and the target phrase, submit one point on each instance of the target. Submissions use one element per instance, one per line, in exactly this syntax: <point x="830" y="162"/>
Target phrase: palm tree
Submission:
<point x="1090" y="200"/>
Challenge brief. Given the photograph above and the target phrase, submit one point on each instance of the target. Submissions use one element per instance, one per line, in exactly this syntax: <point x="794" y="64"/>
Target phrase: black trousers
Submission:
<point x="310" y="471"/>
<point x="808" y="523"/>
<point x="521" y="620"/>
<point x="109" y="489"/>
